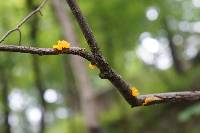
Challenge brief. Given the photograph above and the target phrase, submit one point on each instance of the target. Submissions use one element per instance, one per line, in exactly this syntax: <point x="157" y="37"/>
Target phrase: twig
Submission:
<point x="20" y="36"/>
<point x="106" y="71"/>
<point x="96" y="57"/>
<point x="84" y="26"/>
<point x="24" y="20"/>
<point x="116" y="80"/>
<point x="169" y="97"/>
<point x="47" y="51"/>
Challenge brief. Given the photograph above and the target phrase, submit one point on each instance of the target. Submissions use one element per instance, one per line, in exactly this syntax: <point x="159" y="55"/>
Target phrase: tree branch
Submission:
<point x="24" y="20"/>
<point x="106" y="71"/>
<point x="157" y="98"/>
<point x="122" y="86"/>
<point x="47" y="51"/>
<point x="84" y="26"/>
<point x="96" y="57"/>
<point x="169" y="97"/>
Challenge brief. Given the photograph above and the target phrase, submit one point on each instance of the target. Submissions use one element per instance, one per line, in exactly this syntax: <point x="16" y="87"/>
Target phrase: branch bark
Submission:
<point x="169" y="97"/>
<point x="23" y="21"/>
<point x="106" y="71"/>
<point x="47" y="51"/>
<point x="115" y="79"/>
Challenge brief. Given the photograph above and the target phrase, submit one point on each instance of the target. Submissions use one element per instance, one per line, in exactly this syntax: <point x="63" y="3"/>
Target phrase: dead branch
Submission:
<point x="23" y="21"/>
<point x="47" y="51"/>
<point x="169" y="97"/>
<point x="106" y="71"/>
<point x="97" y="58"/>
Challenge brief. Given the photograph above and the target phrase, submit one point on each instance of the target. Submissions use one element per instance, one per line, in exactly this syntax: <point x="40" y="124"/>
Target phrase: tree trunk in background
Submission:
<point x="41" y="89"/>
<point x="80" y="74"/>
<point x="177" y="62"/>
<point x="71" y="93"/>
<point x="4" y="87"/>
<point x="36" y="69"/>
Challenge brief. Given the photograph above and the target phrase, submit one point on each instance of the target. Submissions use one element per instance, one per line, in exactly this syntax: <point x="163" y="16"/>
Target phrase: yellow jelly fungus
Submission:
<point x="92" y="66"/>
<point x="150" y="99"/>
<point x="57" y="47"/>
<point x="134" y="91"/>
<point x="61" y="45"/>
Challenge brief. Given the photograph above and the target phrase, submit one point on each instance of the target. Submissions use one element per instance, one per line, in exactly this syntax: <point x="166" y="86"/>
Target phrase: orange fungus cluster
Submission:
<point x="134" y="91"/>
<point x="61" y="45"/>
<point x="92" y="66"/>
<point x="150" y="99"/>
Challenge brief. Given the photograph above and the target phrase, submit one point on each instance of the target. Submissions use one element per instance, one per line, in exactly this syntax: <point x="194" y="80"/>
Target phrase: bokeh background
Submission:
<point x="152" y="44"/>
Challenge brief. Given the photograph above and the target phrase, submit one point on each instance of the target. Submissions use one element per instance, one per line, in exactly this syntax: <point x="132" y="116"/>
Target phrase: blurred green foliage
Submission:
<point x="117" y="26"/>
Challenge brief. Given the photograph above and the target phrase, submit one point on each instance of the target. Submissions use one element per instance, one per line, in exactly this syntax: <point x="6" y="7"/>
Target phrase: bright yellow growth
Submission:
<point x="61" y="45"/>
<point x="150" y="99"/>
<point x="134" y="91"/>
<point x="92" y="66"/>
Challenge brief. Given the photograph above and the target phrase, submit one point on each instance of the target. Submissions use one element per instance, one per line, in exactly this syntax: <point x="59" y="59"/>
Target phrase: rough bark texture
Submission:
<point x="47" y="51"/>
<point x="23" y="21"/>
<point x="4" y="87"/>
<point x="106" y="71"/>
<point x="96" y="57"/>
<point x="80" y="74"/>
<point x="170" y="97"/>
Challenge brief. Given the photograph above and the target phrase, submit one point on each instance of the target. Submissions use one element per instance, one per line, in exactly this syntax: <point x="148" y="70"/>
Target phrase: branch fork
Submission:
<point x="95" y="56"/>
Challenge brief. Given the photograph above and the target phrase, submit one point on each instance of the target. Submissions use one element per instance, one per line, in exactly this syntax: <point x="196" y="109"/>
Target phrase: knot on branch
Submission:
<point x="104" y="75"/>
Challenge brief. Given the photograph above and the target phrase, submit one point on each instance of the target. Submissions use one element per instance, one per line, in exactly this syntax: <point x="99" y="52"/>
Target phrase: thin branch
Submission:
<point x="24" y="20"/>
<point x="157" y="98"/>
<point x="106" y="71"/>
<point x="169" y="97"/>
<point x="84" y="26"/>
<point x="47" y="51"/>
<point x="20" y="36"/>
<point x="122" y="86"/>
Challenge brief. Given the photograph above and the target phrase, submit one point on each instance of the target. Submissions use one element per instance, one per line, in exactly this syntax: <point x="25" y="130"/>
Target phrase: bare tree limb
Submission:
<point x="157" y="98"/>
<point x="84" y="26"/>
<point x="96" y="57"/>
<point x="47" y="51"/>
<point x="169" y="97"/>
<point x="20" y="36"/>
<point x="24" y="20"/>
<point x="116" y="80"/>
<point x="106" y="71"/>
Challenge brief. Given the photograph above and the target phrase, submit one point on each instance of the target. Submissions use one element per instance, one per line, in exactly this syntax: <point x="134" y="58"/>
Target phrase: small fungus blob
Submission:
<point x="61" y="45"/>
<point x="150" y="99"/>
<point x="134" y="91"/>
<point x="92" y="66"/>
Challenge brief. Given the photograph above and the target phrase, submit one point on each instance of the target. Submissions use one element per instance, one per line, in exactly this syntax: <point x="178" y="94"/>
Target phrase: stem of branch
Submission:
<point x="96" y="57"/>
<point x="84" y="26"/>
<point x="169" y="97"/>
<point x="106" y="71"/>
<point x="47" y="51"/>
<point x="24" y="20"/>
